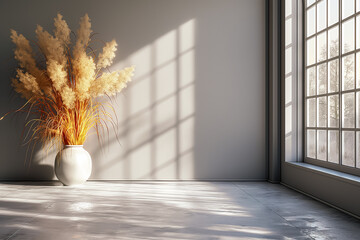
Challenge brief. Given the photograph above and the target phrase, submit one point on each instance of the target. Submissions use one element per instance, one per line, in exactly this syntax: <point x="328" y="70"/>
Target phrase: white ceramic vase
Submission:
<point x="73" y="165"/>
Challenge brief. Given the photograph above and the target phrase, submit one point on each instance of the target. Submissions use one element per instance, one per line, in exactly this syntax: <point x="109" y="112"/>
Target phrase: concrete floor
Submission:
<point x="167" y="210"/>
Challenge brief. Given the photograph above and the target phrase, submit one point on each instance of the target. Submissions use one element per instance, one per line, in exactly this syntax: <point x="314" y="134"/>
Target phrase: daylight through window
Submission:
<point x="332" y="81"/>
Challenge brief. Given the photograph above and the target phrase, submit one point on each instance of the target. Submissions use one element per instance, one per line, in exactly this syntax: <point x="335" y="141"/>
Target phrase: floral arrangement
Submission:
<point x="61" y="84"/>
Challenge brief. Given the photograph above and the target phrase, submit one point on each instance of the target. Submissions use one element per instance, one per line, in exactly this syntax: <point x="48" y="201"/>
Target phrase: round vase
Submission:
<point x="73" y="165"/>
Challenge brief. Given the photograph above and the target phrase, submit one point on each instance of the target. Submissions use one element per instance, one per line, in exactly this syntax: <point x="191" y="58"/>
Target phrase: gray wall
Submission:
<point x="196" y="108"/>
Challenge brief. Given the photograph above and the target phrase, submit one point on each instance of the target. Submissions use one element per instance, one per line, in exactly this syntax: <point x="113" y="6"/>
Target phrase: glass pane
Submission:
<point x="311" y="143"/>
<point x="348" y="72"/>
<point x="310" y="53"/>
<point x="321" y="47"/>
<point x="333" y="41"/>
<point x="348" y="148"/>
<point x="358" y="149"/>
<point x="309" y="2"/>
<point x="310" y="18"/>
<point x="358" y="110"/>
<point x="322" y="78"/>
<point x="288" y="31"/>
<point x="357" y="32"/>
<point x="348" y="8"/>
<point x="288" y="89"/>
<point x="348" y="110"/>
<point x="348" y="36"/>
<point x="311" y="112"/>
<point x="333" y="151"/>
<point x="311" y="81"/>
<point x="357" y="5"/>
<point x="288" y="8"/>
<point x="333" y="15"/>
<point x="321" y="145"/>
<point x="334" y="111"/>
<point x="358" y="68"/>
<point x="288" y="60"/>
<point x="333" y="75"/>
<point x="322" y="112"/>
<point x="321" y="15"/>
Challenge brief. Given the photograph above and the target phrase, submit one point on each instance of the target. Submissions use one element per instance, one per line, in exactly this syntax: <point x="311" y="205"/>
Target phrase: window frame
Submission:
<point x="339" y="93"/>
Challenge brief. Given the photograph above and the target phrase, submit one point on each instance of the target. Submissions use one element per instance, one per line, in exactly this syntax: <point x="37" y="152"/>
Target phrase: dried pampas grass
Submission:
<point x="62" y="94"/>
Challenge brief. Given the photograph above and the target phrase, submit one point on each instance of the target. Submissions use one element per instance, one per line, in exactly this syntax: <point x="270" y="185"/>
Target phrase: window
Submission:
<point x="332" y="83"/>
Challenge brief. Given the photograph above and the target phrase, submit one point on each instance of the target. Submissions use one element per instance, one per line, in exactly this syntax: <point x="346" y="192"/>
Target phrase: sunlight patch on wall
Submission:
<point x="290" y="78"/>
<point x="156" y="112"/>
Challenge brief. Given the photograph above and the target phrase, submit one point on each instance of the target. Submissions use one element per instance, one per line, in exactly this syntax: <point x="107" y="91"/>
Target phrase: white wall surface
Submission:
<point x="196" y="107"/>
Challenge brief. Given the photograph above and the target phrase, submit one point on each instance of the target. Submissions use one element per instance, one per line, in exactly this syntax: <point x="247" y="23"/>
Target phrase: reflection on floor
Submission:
<point x="167" y="210"/>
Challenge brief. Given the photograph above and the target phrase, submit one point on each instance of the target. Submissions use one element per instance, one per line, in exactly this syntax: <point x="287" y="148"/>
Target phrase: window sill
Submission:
<point x="345" y="177"/>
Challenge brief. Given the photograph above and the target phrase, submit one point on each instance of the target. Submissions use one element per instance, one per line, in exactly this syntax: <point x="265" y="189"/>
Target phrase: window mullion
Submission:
<point x="327" y="79"/>
<point x="355" y="74"/>
<point x="340" y="81"/>
<point x="316" y="84"/>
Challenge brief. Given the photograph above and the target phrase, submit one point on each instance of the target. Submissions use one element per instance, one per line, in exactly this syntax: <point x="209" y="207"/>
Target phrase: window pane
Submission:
<point x="321" y="47"/>
<point x="322" y="78"/>
<point x="334" y="111"/>
<point x="333" y="44"/>
<point x="321" y="15"/>
<point x="322" y="112"/>
<point x="309" y="2"/>
<point x="288" y="8"/>
<point x="288" y="31"/>
<point x="358" y="149"/>
<point x="333" y="16"/>
<point x="333" y="151"/>
<point x="321" y="145"/>
<point x="311" y="112"/>
<point x="358" y="110"/>
<point x="333" y="145"/>
<point x="311" y="81"/>
<point x="288" y="89"/>
<point x="348" y="148"/>
<point x="333" y="75"/>
<point x="310" y="144"/>
<point x="348" y="36"/>
<point x="357" y="32"/>
<point x="288" y="62"/>
<point x="348" y="8"/>
<point x="348" y="110"/>
<point x="348" y="72"/>
<point x="310" y="18"/>
<point x="310" y="53"/>
<point x="358" y="67"/>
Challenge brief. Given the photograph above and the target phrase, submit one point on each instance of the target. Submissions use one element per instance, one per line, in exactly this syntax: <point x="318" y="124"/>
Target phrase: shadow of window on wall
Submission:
<point x="155" y="113"/>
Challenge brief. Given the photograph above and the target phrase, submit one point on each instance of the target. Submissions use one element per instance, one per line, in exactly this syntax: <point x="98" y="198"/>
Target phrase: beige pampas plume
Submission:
<point x="52" y="48"/>
<point x="19" y="88"/>
<point x="62" y="30"/>
<point x="83" y="65"/>
<point x="107" y="55"/>
<point x="57" y="74"/>
<point x="124" y="77"/>
<point x="84" y="70"/>
<point x="104" y="85"/>
<point x="23" y="52"/>
<point x="83" y="35"/>
<point x="111" y="83"/>
<point x="28" y="84"/>
<point x="68" y="97"/>
<point x="62" y="94"/>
